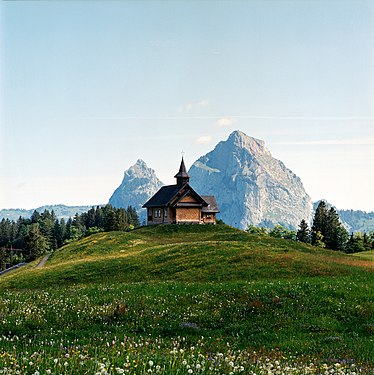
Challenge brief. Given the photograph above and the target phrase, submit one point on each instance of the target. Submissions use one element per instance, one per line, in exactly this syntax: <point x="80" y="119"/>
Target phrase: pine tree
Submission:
<point x="133" y="216"/>
<point x="59" y="230"/>
<point x="319" y="222"/>
<point x="35" y="242"/>
<point x="109" y="218"/>
<point x="327" y="222"/>
<point x="350" y="246"/>
<point x="335" y="236"/>
<point x="303" y="234"/>
<point x="121" y="220"/>
<point x="46" y="222"/>
<point x="99" y="217"/>
<point x="5" y="232"/>
<point x="35" y="217"/>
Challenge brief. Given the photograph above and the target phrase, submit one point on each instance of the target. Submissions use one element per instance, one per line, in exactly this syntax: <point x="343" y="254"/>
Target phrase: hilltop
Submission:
<point x="184" y="253"/>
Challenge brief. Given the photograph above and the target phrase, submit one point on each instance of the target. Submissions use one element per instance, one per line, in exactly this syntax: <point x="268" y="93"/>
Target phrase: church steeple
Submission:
<point x="182" y="176"/>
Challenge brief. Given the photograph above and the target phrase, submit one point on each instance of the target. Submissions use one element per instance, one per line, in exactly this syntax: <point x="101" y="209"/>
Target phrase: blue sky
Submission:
<point x="89" y="87"/>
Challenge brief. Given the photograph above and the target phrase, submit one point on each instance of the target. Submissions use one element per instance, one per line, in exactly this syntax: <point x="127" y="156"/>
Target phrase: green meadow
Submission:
<point x="189" y="300"/>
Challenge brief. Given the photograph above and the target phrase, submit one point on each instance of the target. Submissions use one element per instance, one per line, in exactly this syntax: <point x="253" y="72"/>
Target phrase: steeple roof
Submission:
<point x="182" y="171"/>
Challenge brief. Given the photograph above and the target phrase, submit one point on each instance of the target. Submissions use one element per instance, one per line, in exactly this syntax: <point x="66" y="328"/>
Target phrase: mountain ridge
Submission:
<point x="62" y="211"/>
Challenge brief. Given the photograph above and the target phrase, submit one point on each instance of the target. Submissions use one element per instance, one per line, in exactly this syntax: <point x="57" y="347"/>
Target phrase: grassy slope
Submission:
<point x="183" y="253"/>
<point x="162" y="282"/>
<point x="365" y="255"/>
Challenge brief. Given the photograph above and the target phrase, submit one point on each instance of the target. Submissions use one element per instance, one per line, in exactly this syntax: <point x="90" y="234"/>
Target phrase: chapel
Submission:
<point x="180" y="204"/>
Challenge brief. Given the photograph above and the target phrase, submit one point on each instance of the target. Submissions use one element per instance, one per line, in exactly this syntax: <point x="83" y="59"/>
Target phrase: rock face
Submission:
<point x="251" y="187"/>
<point x="138" y="185"/>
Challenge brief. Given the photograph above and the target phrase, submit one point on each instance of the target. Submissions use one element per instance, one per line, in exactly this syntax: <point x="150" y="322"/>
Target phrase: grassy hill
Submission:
<point x="365" y="255"/>
<point x="189" y="299"/>
<point x="184" y="253"/>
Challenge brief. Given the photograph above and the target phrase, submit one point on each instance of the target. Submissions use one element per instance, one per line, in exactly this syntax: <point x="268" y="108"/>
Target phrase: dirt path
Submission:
<point x="12" y="268"/>
<point x="42" y="262"/>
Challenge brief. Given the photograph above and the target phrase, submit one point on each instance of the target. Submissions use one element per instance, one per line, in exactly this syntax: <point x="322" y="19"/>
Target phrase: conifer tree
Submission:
<point x="327" y="222"/>
<point x="336" y="235"/>
<point x="303" y="234"/>
<point x="133" y="216"/>
<point x="35" y="242"/>
<point x="35" y="217"/>
<point x="319" y="222"/>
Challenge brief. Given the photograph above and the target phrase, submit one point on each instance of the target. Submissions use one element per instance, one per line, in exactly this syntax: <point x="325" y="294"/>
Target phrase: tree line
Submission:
<point x="326" y="231"/>
<point x="27" y="239"/>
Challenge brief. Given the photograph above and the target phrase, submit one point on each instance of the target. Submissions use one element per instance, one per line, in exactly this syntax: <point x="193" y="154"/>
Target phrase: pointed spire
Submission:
<point x="182" y="176"/>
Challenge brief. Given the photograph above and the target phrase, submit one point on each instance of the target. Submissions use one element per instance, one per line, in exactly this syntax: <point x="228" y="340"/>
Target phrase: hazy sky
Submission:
<point x="89" y="87"/>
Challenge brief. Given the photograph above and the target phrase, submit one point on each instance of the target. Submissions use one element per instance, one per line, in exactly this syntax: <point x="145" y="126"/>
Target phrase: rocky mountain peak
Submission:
<point x="252" y="145"/>
<point x="138" y="185"/>
<point x="139" y="170"/>
<point x="251" y="187"/>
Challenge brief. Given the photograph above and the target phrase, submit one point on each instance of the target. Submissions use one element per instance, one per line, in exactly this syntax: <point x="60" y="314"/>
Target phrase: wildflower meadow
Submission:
<point x="230" y="303"/>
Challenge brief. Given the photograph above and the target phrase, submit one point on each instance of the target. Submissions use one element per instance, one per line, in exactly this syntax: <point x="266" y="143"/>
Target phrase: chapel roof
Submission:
<point x="163" y="196"/>
<point x="212" y="204"/>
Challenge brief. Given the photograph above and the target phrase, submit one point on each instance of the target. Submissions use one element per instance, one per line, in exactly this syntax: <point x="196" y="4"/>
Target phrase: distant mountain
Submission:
<point x="251" y="187"/>
<point x="61" y="211"/>
<point x="357" y="221"/>
<point x="138" y="185"/>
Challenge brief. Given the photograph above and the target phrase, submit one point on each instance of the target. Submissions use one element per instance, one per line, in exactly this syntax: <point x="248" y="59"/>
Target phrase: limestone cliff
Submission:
<point x="251" y="187"/>
<point x="138" y="185"/>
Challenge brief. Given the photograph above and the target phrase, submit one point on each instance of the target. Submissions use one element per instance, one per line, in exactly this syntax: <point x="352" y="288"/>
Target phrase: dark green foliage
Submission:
<point x="359" y="242"/>
<point x="35" y="243"/>
<point x="133" y="217"/>
<point x="331" y="231"/>
<point x="281" y="232"/>
<point x="303" y="234"/>
<point x="278" y="231"/>
<point x="260" y="231"/>
<point x="59" y="232"/>
<point x="5" y="232"/>
<point x="319" y="222"/>
<point x="336" y="235"/>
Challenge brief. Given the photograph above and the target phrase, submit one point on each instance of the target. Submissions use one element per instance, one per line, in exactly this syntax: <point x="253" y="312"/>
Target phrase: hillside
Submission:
<point x="189" y="299"/>
<point x="184" y="253"/>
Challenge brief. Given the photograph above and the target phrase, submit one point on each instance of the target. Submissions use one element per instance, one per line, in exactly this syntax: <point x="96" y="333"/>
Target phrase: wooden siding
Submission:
<point x="188" y="199"/>
<point x="188" y="215"/>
